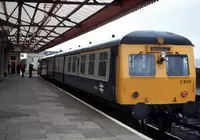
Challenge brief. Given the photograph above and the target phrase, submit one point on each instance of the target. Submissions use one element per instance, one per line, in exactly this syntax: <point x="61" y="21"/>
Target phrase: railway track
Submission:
<point x="187" y="129"/>
<point x="190" y="127"/>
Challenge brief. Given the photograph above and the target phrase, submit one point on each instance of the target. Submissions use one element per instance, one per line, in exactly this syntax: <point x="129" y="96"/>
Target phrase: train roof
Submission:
<point x="99" y="46"/>
<point x="150" y="37"/>
<point x="48" y="56"/>
<point x="136" y="37"/>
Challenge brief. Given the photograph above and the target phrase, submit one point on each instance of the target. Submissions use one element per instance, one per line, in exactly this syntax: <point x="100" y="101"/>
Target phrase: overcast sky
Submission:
<point x="177" y="16"/>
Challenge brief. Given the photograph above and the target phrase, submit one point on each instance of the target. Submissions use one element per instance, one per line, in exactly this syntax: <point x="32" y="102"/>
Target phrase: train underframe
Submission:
<point x="161" y="115"/>
<point x="164" y="115"/>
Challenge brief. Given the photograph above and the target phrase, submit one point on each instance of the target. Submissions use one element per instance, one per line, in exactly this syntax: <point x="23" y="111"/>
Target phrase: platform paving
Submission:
<point x="31" y="109"/>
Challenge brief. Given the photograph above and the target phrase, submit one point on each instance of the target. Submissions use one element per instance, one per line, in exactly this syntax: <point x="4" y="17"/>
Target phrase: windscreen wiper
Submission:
<point x="135" y="56"/>
<point x="179" y="54"/>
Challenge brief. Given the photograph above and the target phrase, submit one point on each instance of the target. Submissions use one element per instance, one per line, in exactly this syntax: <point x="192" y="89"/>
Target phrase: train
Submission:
<point x="151" y="72"/>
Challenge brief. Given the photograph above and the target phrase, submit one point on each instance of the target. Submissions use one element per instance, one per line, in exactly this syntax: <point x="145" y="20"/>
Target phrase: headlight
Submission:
<point x="135" y="94"/>
<point x="162" y="57"/>
<point x="163" y="54"/>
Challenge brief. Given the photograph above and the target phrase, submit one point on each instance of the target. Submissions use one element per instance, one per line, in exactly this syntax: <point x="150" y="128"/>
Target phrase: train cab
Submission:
<point x="156" y="68"/>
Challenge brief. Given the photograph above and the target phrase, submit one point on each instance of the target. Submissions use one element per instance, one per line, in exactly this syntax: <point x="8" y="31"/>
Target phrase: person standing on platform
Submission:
<point x="13" y="68"/>
<point x="18" y="69"/>
<point x="9" y="68"/>
<point x="30" y="70"/>
<point x="23" y="69"/>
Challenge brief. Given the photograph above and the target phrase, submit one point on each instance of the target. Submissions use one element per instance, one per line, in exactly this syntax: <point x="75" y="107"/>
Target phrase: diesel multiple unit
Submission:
<point x="151" y="72"/>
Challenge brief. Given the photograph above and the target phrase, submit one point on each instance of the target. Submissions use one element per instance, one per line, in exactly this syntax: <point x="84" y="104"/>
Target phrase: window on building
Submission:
<point x="32" y="59"/>
<point x="102" y="64"/>
<point x="83" y="63"/>
<point x="91" y="64"/>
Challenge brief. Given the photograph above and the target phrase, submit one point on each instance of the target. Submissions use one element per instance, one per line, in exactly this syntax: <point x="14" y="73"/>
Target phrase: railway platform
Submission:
<point x="31" y="109"/>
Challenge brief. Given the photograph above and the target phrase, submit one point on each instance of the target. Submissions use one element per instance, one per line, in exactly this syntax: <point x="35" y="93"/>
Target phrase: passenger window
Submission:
<point x="74" y="64"/>
<point x="91" y="64"/>
<point x="69" y="65"/>
<point x="142" y="65"/>
<point x="102" y="64"/>
<point x="66" y="63"/>
<point x="60" y="65"/>
<point x="83" y="63"/>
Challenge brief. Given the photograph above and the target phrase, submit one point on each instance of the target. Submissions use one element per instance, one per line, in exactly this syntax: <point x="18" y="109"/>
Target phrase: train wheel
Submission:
<point x="140" y="111"/>
<point x="189" y="109"/>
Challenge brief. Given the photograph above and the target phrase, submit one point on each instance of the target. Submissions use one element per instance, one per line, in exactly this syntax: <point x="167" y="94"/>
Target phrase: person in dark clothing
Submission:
<point x="30" y="70"/>
<point x="9" y="68"/>
<point x="13" y="68"/>
<point x="23" y="69"/>
<point x="18" y="69"/>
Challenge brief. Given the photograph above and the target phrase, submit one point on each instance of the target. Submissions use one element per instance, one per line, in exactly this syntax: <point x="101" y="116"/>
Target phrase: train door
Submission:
<point x="43" y="68"/>
<point x="63" y="70"/>
<point x="113" y="72"/>
<point x="54" y="65"/>
<point x="77" y="72"/>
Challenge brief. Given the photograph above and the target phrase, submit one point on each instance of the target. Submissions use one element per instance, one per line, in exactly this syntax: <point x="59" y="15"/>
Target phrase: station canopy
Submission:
<point x="37" y="25"/>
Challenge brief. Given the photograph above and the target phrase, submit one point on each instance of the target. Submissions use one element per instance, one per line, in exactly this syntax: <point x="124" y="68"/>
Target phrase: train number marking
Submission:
<point x="185" y="81"/>
<point x="101" y="86"/>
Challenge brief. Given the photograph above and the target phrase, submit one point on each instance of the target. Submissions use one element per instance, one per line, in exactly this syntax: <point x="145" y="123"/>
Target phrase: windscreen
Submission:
<point x="177" y="65"/>
<point x="142" y="65"/>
